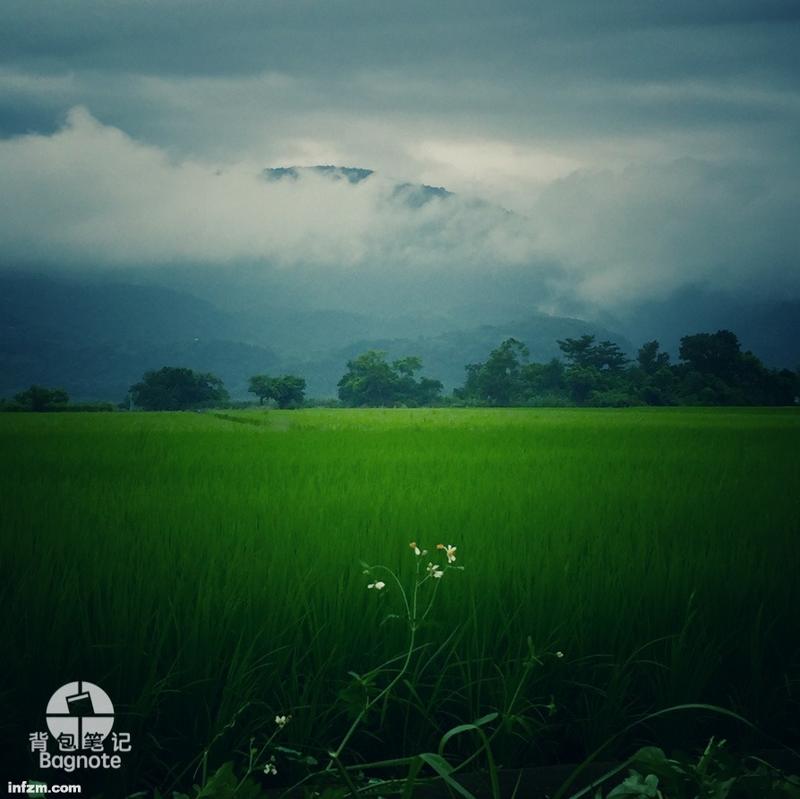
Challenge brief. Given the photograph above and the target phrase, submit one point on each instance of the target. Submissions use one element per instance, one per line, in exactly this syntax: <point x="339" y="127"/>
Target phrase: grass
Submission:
<point x="203" y="569"/>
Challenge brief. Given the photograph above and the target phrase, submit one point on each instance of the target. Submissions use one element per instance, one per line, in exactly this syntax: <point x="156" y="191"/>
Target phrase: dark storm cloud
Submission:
<point x="209" y="37"/>
<point x="647" y="143"/>
<point x="547" y="67"/>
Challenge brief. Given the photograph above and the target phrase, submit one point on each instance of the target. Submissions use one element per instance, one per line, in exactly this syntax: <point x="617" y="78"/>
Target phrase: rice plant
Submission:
<point x="204" y="570"/>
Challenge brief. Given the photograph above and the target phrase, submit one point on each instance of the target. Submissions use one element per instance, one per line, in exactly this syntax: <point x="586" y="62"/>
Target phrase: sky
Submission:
<point x="620" y="150"/>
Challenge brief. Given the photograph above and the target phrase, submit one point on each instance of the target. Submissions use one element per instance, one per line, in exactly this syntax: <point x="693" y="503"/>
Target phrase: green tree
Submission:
<point x="412" y="391"/>
<point x="174" y="388"/>
<point x="583" y="381"/>
<point x="578" y="351"/>
<point x="471" y="388"/>
<point x="596" y="369"/>
<point x="39" y="398"/>
<point x="406" y="367"/>
<point x="288" y="391"/>
<point x="715" y="371"/>
<point x="584" y="353"/>
<point x="544" y="377"/>
<point x="650" y="359"/>
<point x="499" y="381"/>
<point x="371" y="381"/>
<point x="607" y="356"/>
<point x="428" y="391"/>
<point x="651" y="380"/>
<point x="405" y="386"/>
<point x="717" y="354"/>
<point x="261" y="386"/>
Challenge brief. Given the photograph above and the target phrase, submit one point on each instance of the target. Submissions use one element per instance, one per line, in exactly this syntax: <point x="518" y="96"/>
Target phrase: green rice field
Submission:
<point x="204" y="568"/>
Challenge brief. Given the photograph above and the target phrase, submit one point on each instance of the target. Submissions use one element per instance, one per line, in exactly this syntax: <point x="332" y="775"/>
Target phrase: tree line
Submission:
<point x="712" y="370"/>
<point x="40" y="399"/>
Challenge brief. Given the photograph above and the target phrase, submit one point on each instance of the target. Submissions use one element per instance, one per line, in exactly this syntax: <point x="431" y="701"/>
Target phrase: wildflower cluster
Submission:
<point x="432" y="570"/>
<point x="271" y="769"/>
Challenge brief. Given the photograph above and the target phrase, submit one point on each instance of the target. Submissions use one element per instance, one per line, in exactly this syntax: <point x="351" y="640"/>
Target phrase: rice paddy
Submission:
<point x="205" y="570"/>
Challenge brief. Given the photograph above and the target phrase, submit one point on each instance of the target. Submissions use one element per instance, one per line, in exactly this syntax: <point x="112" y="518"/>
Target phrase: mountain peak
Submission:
<point x="351" y="174"/>
<point x="411" y="194"/>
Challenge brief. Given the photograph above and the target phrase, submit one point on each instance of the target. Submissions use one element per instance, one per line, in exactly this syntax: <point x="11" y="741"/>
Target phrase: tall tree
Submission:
<point x="593" y="368"/>
<point x="650" y="359"/>
<point x="544" y="378"/>
<point x="288" y="391"/>
<point x="371" y="381"/>
<point x="261" y="386"/>
<point x="499" y="380"/>
<point x="176" y="388"/>
<point x="607" y="356"/>
<point x="578" y="351"/>
<point x="718" y="354"/>
<point x="584" y="353"/>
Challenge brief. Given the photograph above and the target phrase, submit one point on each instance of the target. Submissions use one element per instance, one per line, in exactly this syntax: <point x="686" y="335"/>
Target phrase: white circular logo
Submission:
<point x="80" y="711"/>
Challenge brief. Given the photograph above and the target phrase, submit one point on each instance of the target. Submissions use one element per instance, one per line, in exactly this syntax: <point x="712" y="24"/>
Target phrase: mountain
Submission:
<point x="95" y="333"/>
<point x="349" y="173"/>
<point x="97" y="338"/>
<point x="411" y="194"/>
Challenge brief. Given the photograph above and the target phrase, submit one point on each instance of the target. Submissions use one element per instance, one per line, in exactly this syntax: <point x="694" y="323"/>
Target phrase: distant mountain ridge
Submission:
<point x="95" y="334"/>
<point x="92" y="339"/>
<point x="414" y="195"/>
<point x="351" y="174"/>
<point x="96" y="339"/>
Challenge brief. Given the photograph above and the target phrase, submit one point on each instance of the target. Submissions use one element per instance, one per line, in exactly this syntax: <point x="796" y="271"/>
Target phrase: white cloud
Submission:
<point x="649" y="228"/>
<point x="91" y="195"/>
<point x="512" y="174"/>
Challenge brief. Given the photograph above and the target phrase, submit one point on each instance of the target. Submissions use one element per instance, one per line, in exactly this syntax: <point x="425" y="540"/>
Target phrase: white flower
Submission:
<point x="416" y="550"/>
<point x="270" y="769"/>
<point x="282" y="721"/>
<point x="434" y="571"/>
<point x="449" y="550"/>
<point x="559" y="654"/>
<point x="378" y="586"/>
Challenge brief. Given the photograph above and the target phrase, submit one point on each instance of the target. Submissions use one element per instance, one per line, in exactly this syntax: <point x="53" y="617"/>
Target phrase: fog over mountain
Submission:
<point x="281" y="184"/>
